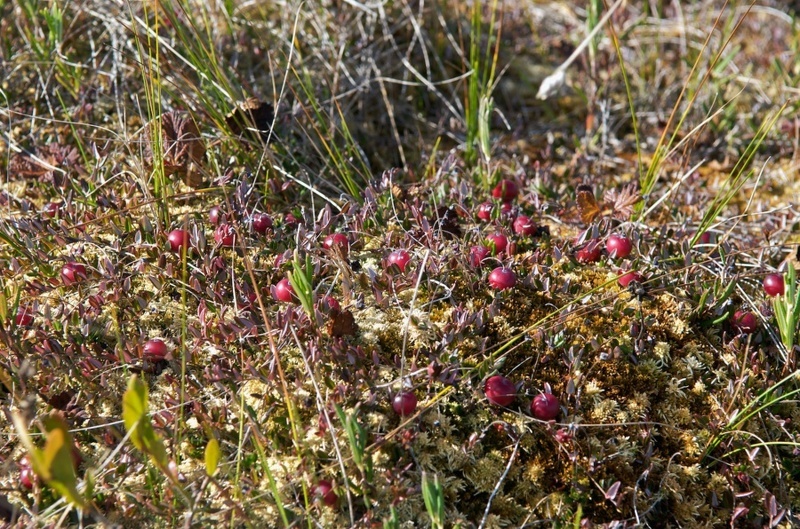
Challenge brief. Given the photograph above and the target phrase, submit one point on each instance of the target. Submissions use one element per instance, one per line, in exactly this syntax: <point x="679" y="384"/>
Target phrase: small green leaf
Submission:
<point x="212" y="457"/>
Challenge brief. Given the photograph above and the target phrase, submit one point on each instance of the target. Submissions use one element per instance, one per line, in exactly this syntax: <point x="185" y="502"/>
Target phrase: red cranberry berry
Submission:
<point x="404" y="403"/>
<point x="284" y="291"/>
<point x="497" y="242"/>
<point x="477" y="254"/>
<point x="324" y="490"/>
<point x="72" y="273"/>
<point x="399" y="258"/>
<point x="745" y="322"/>
<point x="225" y="235"/>
<point x="485" y="211"/>
<point x="215" y="215"/>
<point x="773" y="285"/>
<point x="328" y="304"/>
<point x="24" y="318"/>
<point x="619" y="246"/>
<point x="545" y="407"/>
<point x="590" y="253"/>
<point x="506" y="209"/>
<point x="262" y="222"/>
<point x="705" y="238"/>
<point x="339" y="240"/>
<point x="290" y="220"/>
<point x="506" y="190"/>
<point x="499" y="390"/>
<point x="178" y="239"/>
<point x="51" y="209"/>
<point x="154" y="350"/>
<point x="523" y="225"/>
<point x="626" y="279"/>
<point x="502" y="278"/>
<point x="26" y="475"/>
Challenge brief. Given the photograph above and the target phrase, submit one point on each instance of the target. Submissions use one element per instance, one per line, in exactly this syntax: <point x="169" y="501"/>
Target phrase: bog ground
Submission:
<point x="399" y="264"/>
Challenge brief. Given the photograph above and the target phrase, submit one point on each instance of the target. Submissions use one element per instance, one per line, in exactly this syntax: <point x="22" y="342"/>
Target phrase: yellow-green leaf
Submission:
<point x="54" y="463"/>
<point x="212" y="456"/>
<point x="57" y="458"/>
<point x="137" y="421"/>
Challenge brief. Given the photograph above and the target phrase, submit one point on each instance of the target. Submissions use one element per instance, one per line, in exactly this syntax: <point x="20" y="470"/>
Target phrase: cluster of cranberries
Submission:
<point x="500" y="391"/>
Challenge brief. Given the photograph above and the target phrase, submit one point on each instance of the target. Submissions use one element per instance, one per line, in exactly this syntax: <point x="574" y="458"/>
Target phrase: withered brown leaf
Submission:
<point x="342" y="323"/>
<point x="183" y="147"/>
<point x="251" y="119"/>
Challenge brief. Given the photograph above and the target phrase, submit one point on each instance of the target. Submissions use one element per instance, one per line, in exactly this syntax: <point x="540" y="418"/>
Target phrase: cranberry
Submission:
<point x="506" y="190"/>
<point x="485" y="211"/>
<point x="523" y="225"/>
<point x="589" y="253"/>
<point x="262" y="222"/>
<point x="23" y="318"/>
<point x="497" y="242"/>
<point x="499" y="390"/>
<point x="338" y="240"/>
<point x="404" y="403"/>
<point x="26" y="475"/>
<point x="178" y="239"/>
<point x="284" y="291"/>
<point x="290" y="220"/>
<point x="545" y="407"/>
<point x="502" y="278"/>
<point x="51" y="209"/>
<point x="154" y="350"/>
<point x="626" y="279"/>
<point x="619" y="246"/>
<point x="215" y="215"/>
<point x="745" y="322"/>
<point x="225" y="235"/>
<point x="773" y="285"/>
<point x="329" y="304"/>
<point x="400" y="258"/>
<point x="72" y="273"/>
<point x="324" y="490"/>
<point x="477" y="254"/>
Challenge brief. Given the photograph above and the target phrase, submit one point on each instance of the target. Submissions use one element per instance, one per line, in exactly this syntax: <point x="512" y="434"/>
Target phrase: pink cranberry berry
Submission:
<point x="590" y="253"/>
<point x="502" y="278"/>
<point x="400" y="258"/>
<point x="626" y="279"/>
<point x="154" y="350"/>
<point x="506" y="190"/>
<point x="745" y="322"/>
<point x="499" y="390"/>
<point x="773" y="285"/>
<point x="290" y="220"/>
<point x="619" y="246"/>
<point x="523" y="225"/>
<point x="72" y="273"/>
<point x="225" y="235"/>
<point x="545" y="407"/>
<point x="178" y="239"/>
<point x="324" y="490"/>
<point x="485" y="211"/>
<point x="498" y="242"/>
<point x="215" y="215"/>
<point x="284" y="291"/>
<point x="404" y="403"/>
<point x="24" y="318"/>
<point x="477" y="254"/>
<point x="262" y="222"/>
<point x="339" y="240"/>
